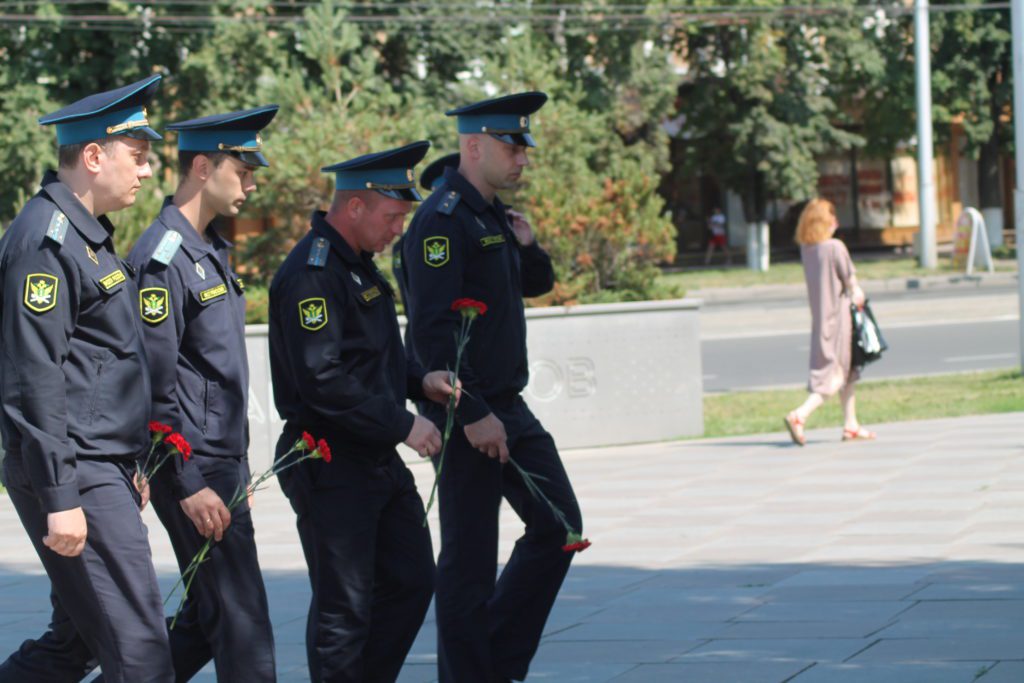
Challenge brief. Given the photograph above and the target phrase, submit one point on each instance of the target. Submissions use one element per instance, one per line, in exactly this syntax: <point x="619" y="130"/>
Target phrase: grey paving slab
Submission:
<point x="885" y="592"/>
<point x="777" y="650"/>
<point x="1004" y="672"/>
<point x="973" y="590"/>
<point x="952" y="610"/>
<point x="923" y="672"/>
<point x="847" y="628"/>
<point x="614" y="630"/>
<point x="713" y="672"/>
<point x="904" y="627"/>
<point x="621" y="651"/>
<point x="739" y="559"/>
<point x="990" y="647"/>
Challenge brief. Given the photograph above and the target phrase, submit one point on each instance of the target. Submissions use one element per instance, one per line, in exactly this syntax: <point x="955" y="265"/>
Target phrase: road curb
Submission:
<point x="715" y="296"/>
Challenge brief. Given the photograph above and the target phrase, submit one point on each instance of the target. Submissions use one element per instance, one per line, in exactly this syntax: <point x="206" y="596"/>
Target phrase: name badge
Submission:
<point x="213" y="292"/>
<point x="113" y="280"/>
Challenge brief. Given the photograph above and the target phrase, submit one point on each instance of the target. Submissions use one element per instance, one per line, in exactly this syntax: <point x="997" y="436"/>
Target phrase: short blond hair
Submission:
<point x="816" y="221"/>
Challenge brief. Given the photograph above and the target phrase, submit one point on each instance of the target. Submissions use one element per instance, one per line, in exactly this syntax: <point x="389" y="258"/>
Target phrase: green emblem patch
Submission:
<point x="313" y="313"/>
<point x="41" y="292"/>
<point x="435" y="251"/>
<point x="153" y="304"/>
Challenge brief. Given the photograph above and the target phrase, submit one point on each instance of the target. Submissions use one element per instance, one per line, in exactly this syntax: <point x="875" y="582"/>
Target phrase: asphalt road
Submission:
<point x="927" y="334"/>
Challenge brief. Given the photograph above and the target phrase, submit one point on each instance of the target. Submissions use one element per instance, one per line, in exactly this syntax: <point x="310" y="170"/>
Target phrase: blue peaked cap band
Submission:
<point x="493" y="123"/>
<point x="369" y="180"/>
<point x="219" y="141"/>
<point x="117" y="122"/>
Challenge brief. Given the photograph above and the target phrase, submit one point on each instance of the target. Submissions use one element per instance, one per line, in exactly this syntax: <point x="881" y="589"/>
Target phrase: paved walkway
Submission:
<point x="740" y="559"/>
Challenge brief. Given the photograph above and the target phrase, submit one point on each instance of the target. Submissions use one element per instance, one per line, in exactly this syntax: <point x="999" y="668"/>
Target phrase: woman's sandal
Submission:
<point x="796" y="429"/>
<point x="859" y="434"/>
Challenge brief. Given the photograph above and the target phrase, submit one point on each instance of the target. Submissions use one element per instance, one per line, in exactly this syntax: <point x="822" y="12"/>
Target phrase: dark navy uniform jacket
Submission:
<point x="336" y="356"/>
<point x="193" y="316"/>
<point x="460" y="245"/>
<point x="73" y="376"/>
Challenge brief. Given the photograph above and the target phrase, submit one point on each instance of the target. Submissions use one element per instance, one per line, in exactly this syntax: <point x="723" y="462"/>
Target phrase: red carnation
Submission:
<point x="574" y="543"/>
<point x="470" y="307"/>
<point x="578" y="547"/>
<point x="324" y="450"/>
<point x="308" y="442"/>
<point x="180" y="444"/>
<point x="160" y="428"/>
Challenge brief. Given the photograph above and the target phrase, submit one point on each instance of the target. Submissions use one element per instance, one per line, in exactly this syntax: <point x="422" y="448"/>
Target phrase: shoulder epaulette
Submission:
<point x="58" y="228"/>
<point x="168" y="247"/>
<point x="318" y="253"/>
<point x="448" y="204"/>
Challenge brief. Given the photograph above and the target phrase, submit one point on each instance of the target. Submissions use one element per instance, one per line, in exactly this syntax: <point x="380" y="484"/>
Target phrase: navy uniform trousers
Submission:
<point x="489" y="629"/>
<point x="225" y="617"/>
<point x="106" y="602"/>
<point x="371" y="565"/>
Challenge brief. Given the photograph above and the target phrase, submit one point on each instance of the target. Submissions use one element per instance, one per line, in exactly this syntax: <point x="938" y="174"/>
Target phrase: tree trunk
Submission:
<point x="990" y="190"/>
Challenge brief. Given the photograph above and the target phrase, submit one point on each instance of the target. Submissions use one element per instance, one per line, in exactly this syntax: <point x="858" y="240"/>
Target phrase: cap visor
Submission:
<point x="253" y="158"/>
<point x="405" y="195"/>
<point x="143" y="133"/>
<point x="524" y="139"/>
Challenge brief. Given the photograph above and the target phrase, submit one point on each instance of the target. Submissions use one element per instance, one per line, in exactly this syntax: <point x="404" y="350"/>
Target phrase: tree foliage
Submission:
<point x="763" y="93"/>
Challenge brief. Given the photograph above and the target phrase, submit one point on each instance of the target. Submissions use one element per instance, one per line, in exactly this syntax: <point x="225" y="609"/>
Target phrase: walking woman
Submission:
<point x="831" y="288"/>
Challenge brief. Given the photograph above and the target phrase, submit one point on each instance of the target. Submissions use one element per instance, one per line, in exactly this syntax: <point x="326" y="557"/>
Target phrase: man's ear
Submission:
<point x="92" y="157"/>
<point x="475" y="147"/>
<point x="201" y="166"/>
<point x="355" y="207"/>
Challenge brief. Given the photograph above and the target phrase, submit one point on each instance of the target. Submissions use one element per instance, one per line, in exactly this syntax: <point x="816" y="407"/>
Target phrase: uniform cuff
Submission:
<point x="471" y="409"/>
<point x="60" y="498"/>
<point x="188" y="482"/>
<point x="405" y="422"/>
<point x="414" y="384"/>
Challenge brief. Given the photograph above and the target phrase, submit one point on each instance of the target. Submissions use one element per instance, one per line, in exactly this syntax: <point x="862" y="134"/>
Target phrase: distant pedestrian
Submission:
<point x="831" y="288"/>
<point x="716" y="226"/>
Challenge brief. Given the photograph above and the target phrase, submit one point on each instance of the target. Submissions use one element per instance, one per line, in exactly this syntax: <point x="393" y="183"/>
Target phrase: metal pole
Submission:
<point x="1017" y="50"/>
<point x="925" y="163"/>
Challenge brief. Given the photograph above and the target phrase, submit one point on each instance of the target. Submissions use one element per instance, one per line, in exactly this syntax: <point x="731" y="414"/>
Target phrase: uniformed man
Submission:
<point x="433" y="175"/>
<point x="340" y="373"/>
<point x="431" y="179"/>
<point x="193" y="313"/>
<point x="75" y="392"/>
<point x="464" y="242"/>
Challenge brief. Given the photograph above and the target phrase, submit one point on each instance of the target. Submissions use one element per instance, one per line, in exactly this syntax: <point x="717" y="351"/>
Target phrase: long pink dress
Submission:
<point x="828" y="270"/>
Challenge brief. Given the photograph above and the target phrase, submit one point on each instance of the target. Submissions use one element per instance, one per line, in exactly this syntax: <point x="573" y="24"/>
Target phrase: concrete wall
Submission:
<point x="600" y="375"/>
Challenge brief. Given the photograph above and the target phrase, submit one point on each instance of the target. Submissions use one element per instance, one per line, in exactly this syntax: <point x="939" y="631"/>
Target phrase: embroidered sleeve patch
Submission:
<point x="112" y="280"/>
<point x="153" y="304"/>
<point x="313" y="313"/>
<point x="41" y="292"/>
<point x="213" y="292"/>
<point x="436" y="251"/>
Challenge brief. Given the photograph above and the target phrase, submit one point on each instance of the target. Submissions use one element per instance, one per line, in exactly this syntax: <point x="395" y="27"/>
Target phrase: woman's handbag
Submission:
<point x="868" y="342"/>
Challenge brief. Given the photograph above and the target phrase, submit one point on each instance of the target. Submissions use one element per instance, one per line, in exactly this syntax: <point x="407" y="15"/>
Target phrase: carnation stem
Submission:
<point x="241" y="494"/>
<point x="538" y="494"/>
<point x="449" y="422"/>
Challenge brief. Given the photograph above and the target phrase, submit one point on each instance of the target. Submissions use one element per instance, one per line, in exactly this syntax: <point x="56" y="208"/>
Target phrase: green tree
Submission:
<point x="757" y="110"/>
